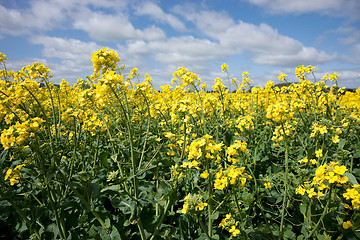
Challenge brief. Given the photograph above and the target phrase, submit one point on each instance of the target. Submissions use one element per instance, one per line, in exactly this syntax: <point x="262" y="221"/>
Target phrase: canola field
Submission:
<point x="112" y="158"/>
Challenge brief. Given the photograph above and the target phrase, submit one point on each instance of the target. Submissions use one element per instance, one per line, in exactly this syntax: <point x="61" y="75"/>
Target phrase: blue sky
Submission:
<point x="263" y="37"/>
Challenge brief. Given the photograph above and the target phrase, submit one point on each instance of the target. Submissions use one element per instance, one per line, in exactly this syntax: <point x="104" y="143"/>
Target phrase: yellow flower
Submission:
<point x="185" y="208"/>
<point x="8" y="173"/>
<point x="201" y="206"/>
<point x="282" y="77"/>
<point x="300" y="190"/>
<point x="312" y="161"/>
<point x="319" y="153"/>
<point x="2" y="57"/>
<point x="234" y="231"/>
<point x="311" y="193"/>
<point x="340" y="170"/>
<point x="267" y="185"/>
<point x="204" y="174"/>
<point x="347" y="225"/>
<point x="224" y="67"/>
<point x="14" y="180"/>
<point x="335" y="139"/>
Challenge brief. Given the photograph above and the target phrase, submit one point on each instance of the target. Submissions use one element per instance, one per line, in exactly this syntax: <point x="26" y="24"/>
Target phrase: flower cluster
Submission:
<point x="301" y="71"/>
<point x="104" y="60"/>
<point x="230" y="224"/>
<point x="235" y="149"/>
<point x="232" y="175"/>
<point x="219" y="86"/>
<point x="279" y="112"/>
<point x="193" y="203"/>
<point x="20" y="132"/>
<point x="325" y="176"/>
<point x="13" y="175"/>
<point x="353" y="194"/>
<point x="204" y="147"/>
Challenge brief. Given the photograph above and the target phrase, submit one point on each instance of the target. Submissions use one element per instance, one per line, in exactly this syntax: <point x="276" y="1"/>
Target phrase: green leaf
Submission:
<point x="115" y="234"/>
<point x="342" y="143"/>
<point x="214" y="216"/>
<point x="94" y="190"/>
<point x="104" y="159"/>
<point x="3" y="156"/>
<point x="114" y="188"/>
<point x="351" y="177"/>
<point x="303" y="208"/>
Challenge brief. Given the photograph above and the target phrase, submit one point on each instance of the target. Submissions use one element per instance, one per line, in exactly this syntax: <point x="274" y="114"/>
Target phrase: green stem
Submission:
<point x="134" y="163"/>
<point x="53" y="109"/>
<point x="184" y="143"/>
<point x="203" y="228"/>
<point x="322" y="215"/>
<point x="86" y="204"/>
<point x="162" y="218"/>
<point x="210" y="203"/>
<point x="55" y="210"/>
<point x="22" y="214"/>
<point x="147" y="130"/>
<point x="286" y="185"/>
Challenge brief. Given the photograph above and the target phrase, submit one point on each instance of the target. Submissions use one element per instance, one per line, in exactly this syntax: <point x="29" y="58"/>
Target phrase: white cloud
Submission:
<point x="154" y="11"/>
<point x="169" y="54"/>
<point x="345" y="8"/>
<point x="63" y="48"/>
<point x="349" y="35"/>
<point x="269" y="47"/>
<point x="306" y="56"/>
<point x="74" y="55"/>
<point x="11" y="22"/>
<point x="210" y="22"/>
<point x="153" y="33"/>
<point x="186" y="50"/>
<point x="104" y="27"/>
<point x="258" y="38"/>
<point x="354" y="55"/>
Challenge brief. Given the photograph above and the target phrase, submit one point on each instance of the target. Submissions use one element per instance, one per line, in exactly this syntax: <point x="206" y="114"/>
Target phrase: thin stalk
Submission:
<point x="286" y="185"/>
<point x="53" y="109"/>
<point x="86" y="204"/>
<point x="96" y="151"/>
<point x="204" y="228"/>
<point x="162" y="218"/>
<point x="147" y="130"/>
<point x="238" y="207"/>
<point x="22" y="214"/>
<point x="46" y="118"/>
<point x="202" y="109"/>
<point x="132" y="157"/>
<point x="184" y="143"/>
<point x="322" y="215"/>
<point x="210" y="203"/>
<point x="57" y="219"/>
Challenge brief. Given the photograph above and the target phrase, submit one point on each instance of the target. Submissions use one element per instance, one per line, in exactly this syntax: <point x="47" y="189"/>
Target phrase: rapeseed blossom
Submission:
<point x="193" y="203"/>
<point x="282" y="77"/>
<point x="353" y="194"/>
<point x="347" y="224"/>
<point x="230" y="224"/>
<point x="13" y="175"/>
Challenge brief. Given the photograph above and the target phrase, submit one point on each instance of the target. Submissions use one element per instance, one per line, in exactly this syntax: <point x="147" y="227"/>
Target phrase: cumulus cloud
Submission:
<point x="268" y="45"/>
<point x="306" y="56"/>
<point x="347" y="8"/>
<point x="74" y="56"/>
<point x="11" y="22"/>
<point x="137" y="29"/>
<point x="105" y="27"/>
<point x="154" y="11"/>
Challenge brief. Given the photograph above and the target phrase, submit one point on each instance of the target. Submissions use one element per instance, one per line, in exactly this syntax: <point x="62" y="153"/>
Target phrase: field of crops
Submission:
<point x="112" y="158"/>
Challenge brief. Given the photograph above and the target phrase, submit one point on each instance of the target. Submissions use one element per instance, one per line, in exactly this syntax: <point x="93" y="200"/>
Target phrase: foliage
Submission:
<point x="111" y="159"/>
